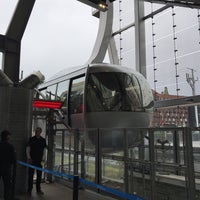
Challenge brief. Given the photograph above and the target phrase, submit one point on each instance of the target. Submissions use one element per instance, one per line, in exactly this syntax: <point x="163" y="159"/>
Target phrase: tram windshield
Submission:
<point x="115" y="91"/>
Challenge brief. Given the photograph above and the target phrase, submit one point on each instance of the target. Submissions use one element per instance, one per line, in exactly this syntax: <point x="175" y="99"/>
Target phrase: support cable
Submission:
<point x="154" y="64"/>
<point x="154" y="52"/>
<point x="175" y="53"/>
<point x="120" y="34"/>
<point x="194" y="92"/>
<point x="176" y="63"/>
<point x="198" y="16"/>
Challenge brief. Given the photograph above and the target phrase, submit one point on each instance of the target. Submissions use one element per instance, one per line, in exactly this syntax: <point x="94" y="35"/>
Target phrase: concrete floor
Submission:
<point x="57" y="191"/>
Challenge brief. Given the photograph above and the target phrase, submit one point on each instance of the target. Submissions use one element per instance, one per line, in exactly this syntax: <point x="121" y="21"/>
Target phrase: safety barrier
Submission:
<point x="78" y="180"/>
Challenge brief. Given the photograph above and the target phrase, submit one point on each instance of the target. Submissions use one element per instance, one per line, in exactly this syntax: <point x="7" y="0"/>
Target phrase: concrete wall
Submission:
<point x="16" y="116"/>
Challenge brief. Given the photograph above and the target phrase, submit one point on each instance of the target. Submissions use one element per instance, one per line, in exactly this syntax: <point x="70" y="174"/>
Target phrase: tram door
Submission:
<point x="76" y="105"/>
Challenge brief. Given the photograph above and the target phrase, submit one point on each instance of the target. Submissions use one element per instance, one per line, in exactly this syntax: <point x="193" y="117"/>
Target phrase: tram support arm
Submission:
<point x="13" y="37"/>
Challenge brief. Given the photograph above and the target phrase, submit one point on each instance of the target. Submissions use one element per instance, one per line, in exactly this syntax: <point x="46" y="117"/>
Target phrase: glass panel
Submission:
<point x="112" y="170"/>
<point x="113" y="92"/>
<point x="62" y="90"/>
<point x="146" y="92"/>
<point x="196" y="144"/>
<point x="89" y="157"/>
<point x="186" y="46"/>
<point x="51" y="92"/>
<point x="42" y="94"/>
<point x="68" y="140"/>
<point x="68" y="153"/>
<point x="58" y="145"/>
<point x="62" y="93"/>
<point x="128" y="51"/>
<point x="125" y="44"/>
<point x="76" y="96"/>
<point x="90" y="167"/>
<point x="58" y="140"/>
<point x="58" y="156"/>
<point x="164" y="150"/>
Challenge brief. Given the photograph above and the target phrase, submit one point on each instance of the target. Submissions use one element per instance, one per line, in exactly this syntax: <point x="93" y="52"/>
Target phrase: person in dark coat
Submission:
<point x="7" y="161"/>
<point x="35" y="152"/>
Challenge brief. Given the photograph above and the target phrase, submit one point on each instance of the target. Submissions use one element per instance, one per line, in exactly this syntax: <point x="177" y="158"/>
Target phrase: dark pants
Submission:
<point x="5" y="173"/>
<point x="30" y="177"/>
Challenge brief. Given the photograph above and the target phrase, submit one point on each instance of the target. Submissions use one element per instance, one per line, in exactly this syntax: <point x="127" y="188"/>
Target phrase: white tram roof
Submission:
<point x="78" y="70"/>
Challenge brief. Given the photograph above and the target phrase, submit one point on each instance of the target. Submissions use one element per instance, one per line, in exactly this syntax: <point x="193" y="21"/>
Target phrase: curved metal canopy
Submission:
<point x="103" y="37"/>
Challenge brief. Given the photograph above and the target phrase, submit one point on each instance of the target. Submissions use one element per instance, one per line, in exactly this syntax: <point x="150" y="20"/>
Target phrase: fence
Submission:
<point x="152" y="163"/>
<point x="77" y="180"/>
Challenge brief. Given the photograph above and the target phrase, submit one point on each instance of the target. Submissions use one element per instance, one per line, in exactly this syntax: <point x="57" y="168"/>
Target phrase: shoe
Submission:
<point x="40" y="192"/>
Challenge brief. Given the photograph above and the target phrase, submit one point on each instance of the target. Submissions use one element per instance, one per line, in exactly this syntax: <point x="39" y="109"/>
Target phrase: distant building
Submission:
<point x="171" y="117"/>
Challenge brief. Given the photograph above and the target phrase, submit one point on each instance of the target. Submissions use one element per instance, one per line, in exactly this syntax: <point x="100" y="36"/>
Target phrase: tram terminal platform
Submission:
<point x="53" y="191"/>
<point x="56" y="190"/>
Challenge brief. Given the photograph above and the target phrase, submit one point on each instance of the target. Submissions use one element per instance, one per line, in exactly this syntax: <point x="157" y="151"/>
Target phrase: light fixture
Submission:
<point x="32" y="80"/>
<point x="97" y="4"/>
<point x="40" y="103"/>
<point x="102" y="6"/>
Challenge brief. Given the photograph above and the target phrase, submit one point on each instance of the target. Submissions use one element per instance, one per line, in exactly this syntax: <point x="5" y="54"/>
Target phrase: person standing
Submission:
<point x="7" y="162"/>
<point x="36" y="154"/>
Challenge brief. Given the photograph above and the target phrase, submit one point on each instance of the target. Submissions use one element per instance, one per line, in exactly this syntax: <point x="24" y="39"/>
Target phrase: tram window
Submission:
<point x="113" y="91"/>
<point x="132" y="98"/>
<point x="147" y="96"/>
<point x="76" y="96"/>
<point x="62" y="92"/>
<point x="51" y="92"/>
<point x="41" y="94"/>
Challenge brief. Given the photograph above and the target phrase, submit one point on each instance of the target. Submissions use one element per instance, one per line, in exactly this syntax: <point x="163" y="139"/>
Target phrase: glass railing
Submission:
<point x="145" y="162"/>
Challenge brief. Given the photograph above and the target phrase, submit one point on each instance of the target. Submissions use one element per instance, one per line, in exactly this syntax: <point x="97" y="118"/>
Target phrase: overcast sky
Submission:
<point x="59" y="34"/>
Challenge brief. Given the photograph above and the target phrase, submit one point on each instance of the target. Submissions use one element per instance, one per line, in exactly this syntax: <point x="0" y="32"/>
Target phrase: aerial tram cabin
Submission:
<point x="102" y="96"/>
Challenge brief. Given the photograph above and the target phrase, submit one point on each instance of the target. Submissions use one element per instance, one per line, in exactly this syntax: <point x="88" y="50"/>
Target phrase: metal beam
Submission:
<point x="144" y="18"/>
<point x="112" y="52"/>
<point x="103" y="37"/>
<point x="156" y="12"/>
<point x="181" y="3"/>
<point x="20" y="19"/>
<point x="186" y="101"/>
<point x="10" y="45"/>
<point x="140" y="47"/>
<point x="2" y="43"/>
<point x="112" y="49"/>
<point x="11" y="63"/>
<point x="11" y="57"/>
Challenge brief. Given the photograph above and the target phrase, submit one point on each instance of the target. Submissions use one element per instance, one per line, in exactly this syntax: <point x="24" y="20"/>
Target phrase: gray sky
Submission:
<point x="59" y="34"/>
